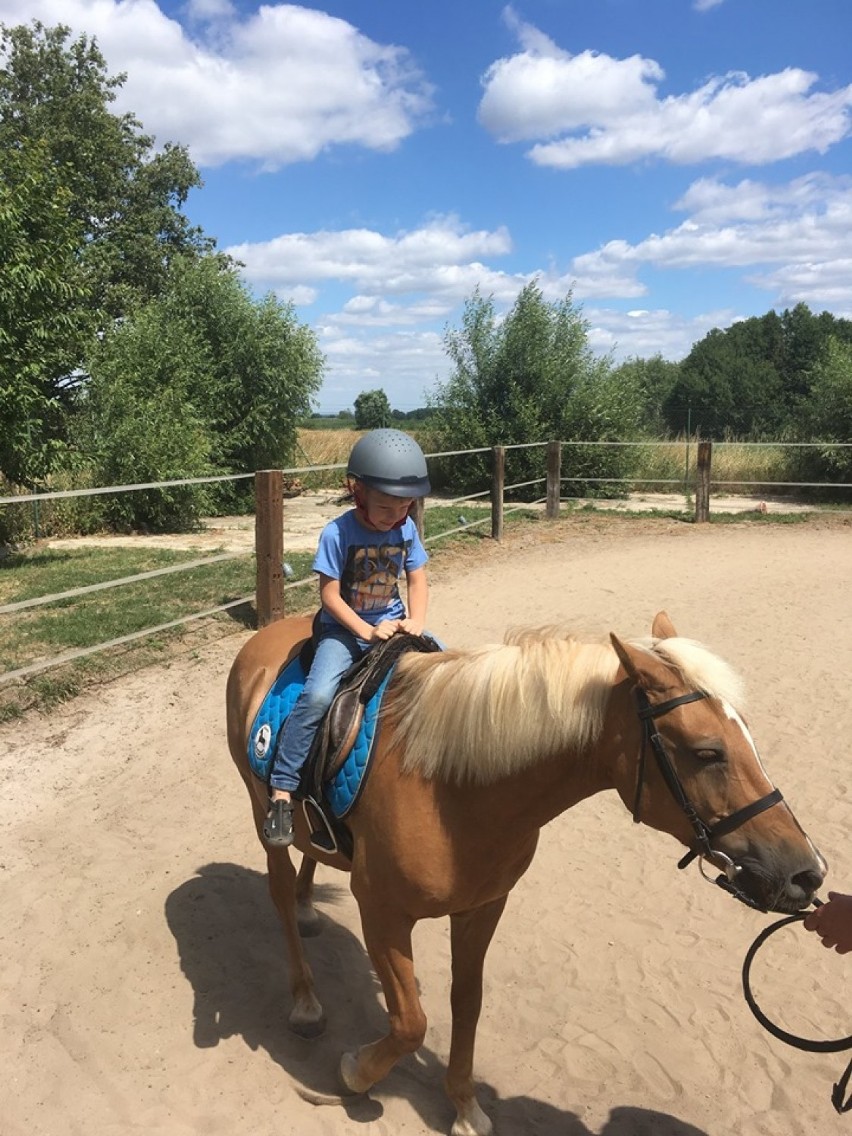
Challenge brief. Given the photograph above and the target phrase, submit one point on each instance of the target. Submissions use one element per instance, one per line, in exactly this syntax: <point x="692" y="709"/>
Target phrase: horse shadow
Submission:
<point x="231" y="950"/>
<point x="232" y="953"/>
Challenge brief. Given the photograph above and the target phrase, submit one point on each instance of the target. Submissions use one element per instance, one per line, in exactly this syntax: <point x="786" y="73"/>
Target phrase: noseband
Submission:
<point x="704" y="833"/>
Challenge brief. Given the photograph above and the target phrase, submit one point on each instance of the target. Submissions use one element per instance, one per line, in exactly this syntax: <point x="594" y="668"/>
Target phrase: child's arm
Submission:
<point x="418" y="601"/>
<point x="339" y="609"/>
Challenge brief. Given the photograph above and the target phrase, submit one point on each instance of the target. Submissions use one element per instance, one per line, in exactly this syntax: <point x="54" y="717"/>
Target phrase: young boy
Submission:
<point x="360" y="559"/>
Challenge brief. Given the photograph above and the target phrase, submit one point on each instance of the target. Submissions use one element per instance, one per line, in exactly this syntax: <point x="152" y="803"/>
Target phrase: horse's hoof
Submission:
<point x="472" y="1121"/>
<point x="307" y="1020"/>
<point x="349" y="1076"/>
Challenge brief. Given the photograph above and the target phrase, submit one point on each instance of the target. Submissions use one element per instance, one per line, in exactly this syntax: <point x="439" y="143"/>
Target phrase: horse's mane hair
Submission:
<point x="484" y="712"/>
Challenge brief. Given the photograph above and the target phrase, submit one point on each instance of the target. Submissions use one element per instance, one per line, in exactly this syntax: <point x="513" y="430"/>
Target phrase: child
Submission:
<point x="360" y="558"/>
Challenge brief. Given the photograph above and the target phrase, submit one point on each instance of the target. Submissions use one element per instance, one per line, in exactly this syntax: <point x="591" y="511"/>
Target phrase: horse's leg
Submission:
<point x="306" y="1018"/>
<point x="387" y="936"/>
<point x="470" y="935"/>
<point x="306" y="914"/>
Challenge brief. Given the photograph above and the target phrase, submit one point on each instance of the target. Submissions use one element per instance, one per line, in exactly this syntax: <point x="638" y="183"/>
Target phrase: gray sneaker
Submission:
<point x="278" y="826"/>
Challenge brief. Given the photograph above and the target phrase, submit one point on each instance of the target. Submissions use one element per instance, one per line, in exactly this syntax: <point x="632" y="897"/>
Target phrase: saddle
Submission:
<point x="339" y="730"/>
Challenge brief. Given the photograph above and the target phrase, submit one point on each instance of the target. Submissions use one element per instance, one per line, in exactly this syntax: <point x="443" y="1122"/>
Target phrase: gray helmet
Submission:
<point x="391" y="462"/>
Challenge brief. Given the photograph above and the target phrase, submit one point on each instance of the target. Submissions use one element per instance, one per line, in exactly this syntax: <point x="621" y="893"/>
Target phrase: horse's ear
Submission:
<point x="662" y="627"/>
<point x="646" y="670"/>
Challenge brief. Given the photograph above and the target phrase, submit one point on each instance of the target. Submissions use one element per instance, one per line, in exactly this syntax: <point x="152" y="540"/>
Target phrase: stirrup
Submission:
<point x="322" y="837"/>
<point x="278" y="826"/>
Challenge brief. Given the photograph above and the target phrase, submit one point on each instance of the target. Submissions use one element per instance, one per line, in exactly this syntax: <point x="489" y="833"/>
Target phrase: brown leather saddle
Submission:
<point x="339" y="728"/>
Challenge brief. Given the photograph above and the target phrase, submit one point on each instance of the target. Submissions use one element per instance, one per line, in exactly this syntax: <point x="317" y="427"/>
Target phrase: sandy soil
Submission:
<point x="143" y="984"/>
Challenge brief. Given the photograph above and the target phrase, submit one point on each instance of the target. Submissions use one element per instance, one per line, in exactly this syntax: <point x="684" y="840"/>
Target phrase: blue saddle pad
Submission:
<point x="342" y="791"/>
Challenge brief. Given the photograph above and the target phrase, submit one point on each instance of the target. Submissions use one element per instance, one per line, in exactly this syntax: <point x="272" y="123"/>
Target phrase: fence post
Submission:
<point x="269" y="544"/>
<point x="554" y="475"/>
<point x="498" y="480"/>
<point x="702" y="482"/>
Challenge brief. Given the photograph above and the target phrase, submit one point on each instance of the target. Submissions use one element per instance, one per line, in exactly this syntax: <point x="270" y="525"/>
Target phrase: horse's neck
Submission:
<point x="544" y="790"/>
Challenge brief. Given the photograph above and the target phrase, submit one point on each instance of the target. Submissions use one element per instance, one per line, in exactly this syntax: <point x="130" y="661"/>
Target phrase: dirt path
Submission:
<point x="143" y="987"/>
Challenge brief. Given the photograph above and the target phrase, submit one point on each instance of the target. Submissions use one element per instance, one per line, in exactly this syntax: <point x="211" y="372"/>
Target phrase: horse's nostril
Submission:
<point x="808" y="880"/>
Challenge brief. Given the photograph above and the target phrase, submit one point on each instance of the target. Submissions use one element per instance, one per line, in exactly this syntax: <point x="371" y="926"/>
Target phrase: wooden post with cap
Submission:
<point x="269" y="544"/>
<point x="702" y="483"/>
<point x="498" y="480"/>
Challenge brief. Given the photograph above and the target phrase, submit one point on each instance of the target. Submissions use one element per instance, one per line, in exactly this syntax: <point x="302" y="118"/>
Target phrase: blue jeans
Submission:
<point x="336" y="651"/>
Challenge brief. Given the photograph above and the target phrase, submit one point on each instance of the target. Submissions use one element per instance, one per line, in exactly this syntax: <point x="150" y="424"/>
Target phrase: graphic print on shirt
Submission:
<point x="370" y="578"/>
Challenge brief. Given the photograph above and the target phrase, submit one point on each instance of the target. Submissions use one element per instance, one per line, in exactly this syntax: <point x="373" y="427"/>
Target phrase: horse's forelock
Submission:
<point x="700" y="668"/>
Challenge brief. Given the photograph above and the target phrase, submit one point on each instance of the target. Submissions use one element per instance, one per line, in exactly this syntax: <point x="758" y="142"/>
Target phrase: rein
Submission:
<point x="704" y="833"/>
<point x="836" y="1046"/>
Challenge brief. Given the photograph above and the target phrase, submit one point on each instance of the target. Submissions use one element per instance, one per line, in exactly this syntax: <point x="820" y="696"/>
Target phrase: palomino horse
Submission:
<point x="476" y="750"/>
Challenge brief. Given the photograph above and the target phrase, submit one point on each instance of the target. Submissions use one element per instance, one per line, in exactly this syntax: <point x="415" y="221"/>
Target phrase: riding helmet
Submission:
<point x="390" y="461"/>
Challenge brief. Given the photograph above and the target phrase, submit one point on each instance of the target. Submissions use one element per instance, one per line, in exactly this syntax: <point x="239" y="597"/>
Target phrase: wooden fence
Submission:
<point x="269" y="526"/>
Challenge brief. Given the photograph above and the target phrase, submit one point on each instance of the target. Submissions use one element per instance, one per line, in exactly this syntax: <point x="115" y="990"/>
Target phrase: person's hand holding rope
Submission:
<point x="832" y="921"/>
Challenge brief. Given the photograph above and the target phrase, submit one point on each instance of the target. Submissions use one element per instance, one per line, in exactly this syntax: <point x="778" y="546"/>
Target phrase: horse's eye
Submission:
<point x="709" y="756"/>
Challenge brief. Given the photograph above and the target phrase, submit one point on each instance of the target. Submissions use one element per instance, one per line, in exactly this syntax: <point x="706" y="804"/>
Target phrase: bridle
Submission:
<point x="704" y="833"/>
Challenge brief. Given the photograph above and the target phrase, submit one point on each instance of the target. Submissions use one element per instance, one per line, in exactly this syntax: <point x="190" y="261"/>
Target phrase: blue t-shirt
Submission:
<point x="368" y="565"/>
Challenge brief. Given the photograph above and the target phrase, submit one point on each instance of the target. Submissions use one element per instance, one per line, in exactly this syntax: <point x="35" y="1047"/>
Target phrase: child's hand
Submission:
<point x="384" y="630"/>
<point x="411" y="626"/>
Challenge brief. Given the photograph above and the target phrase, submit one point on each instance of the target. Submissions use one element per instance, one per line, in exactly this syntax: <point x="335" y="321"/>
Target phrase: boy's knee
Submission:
<point x="318" y="701"/>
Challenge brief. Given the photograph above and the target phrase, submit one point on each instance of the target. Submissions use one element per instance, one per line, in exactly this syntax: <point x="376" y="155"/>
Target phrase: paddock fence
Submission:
<point x="271" y="585"/>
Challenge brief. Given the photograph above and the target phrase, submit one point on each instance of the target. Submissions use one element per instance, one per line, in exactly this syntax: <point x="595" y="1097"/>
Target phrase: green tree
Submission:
<point x="752" y="379"/>
<point x="202" y="379"/>
<point x="527" y="378"/>
<point x="44" y="318"/>
<point x="827" y="416"/>
<point x="653" y="379"/>
<point x="372" y="410"/>
<point x="91" y="221"/>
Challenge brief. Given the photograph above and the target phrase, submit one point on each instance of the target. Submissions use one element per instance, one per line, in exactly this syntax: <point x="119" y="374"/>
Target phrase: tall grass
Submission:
<point x="737" y="464"/>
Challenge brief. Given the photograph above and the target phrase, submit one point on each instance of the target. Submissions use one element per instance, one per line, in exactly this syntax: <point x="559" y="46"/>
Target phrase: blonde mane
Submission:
<point x="486" y="712"/>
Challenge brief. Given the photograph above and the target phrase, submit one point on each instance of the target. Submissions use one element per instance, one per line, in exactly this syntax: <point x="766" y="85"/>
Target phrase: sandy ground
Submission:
<point x="143" y="982"/>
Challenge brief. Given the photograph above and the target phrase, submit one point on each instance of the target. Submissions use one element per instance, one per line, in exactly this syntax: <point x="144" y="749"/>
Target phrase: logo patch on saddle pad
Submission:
<point x="342" y="791"/>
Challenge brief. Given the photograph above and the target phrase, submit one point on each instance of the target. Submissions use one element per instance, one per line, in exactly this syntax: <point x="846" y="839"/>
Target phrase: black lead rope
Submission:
<point x="838" y="1092"/>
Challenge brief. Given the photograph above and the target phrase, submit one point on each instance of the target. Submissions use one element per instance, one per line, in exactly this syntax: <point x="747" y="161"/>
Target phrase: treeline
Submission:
<point x="131" y="350"/>
<point x="532" y="375"/>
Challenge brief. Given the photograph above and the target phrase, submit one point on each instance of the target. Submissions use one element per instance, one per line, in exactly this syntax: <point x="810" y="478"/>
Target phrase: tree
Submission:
<point x="372" y="410"/>
<point x="91" y="221"/>
<point x="203" y="379"/>
<point x="752" y="379"/>
<point x="44" y="317"/>
<point x="654" y="379"/>
<point x="530" y="377"/>
<point x="827" y="415"/>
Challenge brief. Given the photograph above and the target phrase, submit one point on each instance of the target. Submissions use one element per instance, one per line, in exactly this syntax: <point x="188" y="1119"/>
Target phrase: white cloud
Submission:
<point x="593" y="109"/>
<point x="644" y="333"/>
<point x="807" y="222"/>
<point x="442" y="258"/>
<point x="275" y="86"/>
<point x="706" y="5"/>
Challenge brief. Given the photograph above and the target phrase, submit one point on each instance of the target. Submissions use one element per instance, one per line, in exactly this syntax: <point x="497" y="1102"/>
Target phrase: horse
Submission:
<point x="476" y="749"/>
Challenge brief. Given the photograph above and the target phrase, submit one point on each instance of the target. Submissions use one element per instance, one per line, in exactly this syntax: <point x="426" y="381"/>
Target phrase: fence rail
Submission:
<point x="270" y="585"/>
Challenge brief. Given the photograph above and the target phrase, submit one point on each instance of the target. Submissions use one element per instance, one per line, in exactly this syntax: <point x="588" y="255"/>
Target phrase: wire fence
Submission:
<point x="267" y="537"/>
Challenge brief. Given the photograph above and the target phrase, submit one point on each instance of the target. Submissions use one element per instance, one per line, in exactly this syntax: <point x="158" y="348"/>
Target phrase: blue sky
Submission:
<point x="676" y="164"/>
